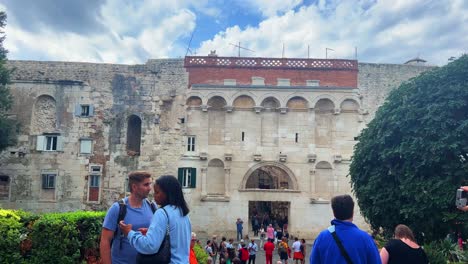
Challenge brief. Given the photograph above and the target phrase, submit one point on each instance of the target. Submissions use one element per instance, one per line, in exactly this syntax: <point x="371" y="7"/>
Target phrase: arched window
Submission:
<point x="133" y="135"/>
<point x="44" y="118"/>
<point x="324" y="122"/>
<point x="269" y="177"/>
<point x="325" y="183"/>
<point x="270" y="121"/>
<point x="216" y="120"/>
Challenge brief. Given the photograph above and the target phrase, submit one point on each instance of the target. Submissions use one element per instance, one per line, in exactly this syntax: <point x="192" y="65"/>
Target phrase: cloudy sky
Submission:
<point x="133" y="31"/>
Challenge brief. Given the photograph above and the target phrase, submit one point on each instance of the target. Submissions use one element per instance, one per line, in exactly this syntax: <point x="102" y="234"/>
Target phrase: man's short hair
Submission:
<point x="343" y="207"/>
<point x="137" y="177"/>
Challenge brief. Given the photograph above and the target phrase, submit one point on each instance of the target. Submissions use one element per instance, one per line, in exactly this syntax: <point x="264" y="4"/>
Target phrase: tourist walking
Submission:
<point x="214" y="245"/>
<point x="252" y="248"/>
<point x="269" y="247"/>
<point x="297" y="252"/>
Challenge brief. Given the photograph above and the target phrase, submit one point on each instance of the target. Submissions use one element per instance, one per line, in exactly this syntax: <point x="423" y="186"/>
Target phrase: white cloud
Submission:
<point x="272" y="7"/>
<point x="136" y="33"/>
<point x="385" y="31"/>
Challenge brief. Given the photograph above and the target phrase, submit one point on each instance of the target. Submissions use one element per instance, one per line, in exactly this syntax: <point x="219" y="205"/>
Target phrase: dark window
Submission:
<point x="84" y="110"/>
<point x="94" y="181"/>
<point x="191" y="143"/>
<point x="243" y="136"/>
<point x="51" y="143"/>
<point x="48" y="181"/>
<point x="133" y="135"/>
<point x="297" y="137"/>
<point x="187" y="177"/>
<point x="4" y="187"/>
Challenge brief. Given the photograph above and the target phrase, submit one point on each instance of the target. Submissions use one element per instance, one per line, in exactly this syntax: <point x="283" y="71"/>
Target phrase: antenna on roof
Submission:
<point x="240" y="47"/>
<point x="308" y="51"/>
<point x="190" y="42"/>
<point x="326" y="52"/>
<point x="282" y="54"/>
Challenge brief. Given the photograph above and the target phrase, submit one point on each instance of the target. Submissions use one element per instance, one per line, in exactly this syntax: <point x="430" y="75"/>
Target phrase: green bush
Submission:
<point x="444" y="251"/>
<point x="49" y="238"/>
<point x="10" y="228"/>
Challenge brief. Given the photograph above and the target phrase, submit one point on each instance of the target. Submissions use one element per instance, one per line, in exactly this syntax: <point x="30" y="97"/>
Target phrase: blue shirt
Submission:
<point x="180" y="231"/>
<point x="358" y="244"/>
<point x="138" y="217"/>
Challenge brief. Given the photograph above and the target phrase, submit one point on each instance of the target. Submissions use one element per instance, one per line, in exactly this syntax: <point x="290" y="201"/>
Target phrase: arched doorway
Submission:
<point x="269" y="177"/>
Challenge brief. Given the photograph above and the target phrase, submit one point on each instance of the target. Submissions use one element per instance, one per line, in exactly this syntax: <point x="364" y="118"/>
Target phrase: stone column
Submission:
<point x="203" y="171"/>
<point x="227" y="176"/>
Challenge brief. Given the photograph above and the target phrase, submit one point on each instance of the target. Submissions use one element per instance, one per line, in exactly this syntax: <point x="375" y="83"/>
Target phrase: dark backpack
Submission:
<point x="123" y="212"/>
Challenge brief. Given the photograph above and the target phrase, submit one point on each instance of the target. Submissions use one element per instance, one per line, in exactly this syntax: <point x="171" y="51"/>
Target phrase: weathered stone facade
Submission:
<point x="85" y="126"/>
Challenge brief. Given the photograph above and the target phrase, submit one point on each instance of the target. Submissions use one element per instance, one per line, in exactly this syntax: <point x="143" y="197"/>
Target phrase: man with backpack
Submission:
<point x="135" y="209"/>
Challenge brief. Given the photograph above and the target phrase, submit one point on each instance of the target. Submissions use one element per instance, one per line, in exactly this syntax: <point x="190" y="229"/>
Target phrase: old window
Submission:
<point x="297" y="137"/>
<point x="94" y="180"/>
<point x="187" y="177"/>
<point x="84" y="110"/>
<point x="133" y="135"/>
<point x="86" y="145"/>
<point x="48" y="180"/>
<point x="284" y="82"/>
<point x="191" y="143"/>
<point x="52" y="142"/>
<point x="243" y="135"/>
<point x="4" y="187"/>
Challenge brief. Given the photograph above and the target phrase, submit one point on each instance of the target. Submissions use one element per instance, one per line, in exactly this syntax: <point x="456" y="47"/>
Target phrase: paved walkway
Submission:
<point x="260" y="259"/>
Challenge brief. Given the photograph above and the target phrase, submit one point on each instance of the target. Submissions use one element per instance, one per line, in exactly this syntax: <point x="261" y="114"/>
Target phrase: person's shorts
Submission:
<point x="283" y="255"/>
<point x="298" y="255"/>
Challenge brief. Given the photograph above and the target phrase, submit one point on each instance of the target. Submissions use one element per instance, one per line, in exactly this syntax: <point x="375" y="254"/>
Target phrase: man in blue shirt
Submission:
<point x="358" y="244"/>
<point x="239" y="228"/>
<point x="117" y="249"/>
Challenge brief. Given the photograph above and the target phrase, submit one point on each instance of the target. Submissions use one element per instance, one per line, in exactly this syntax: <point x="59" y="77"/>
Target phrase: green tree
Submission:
<point x="8" y="127"/>
<point x="413" y="155"/>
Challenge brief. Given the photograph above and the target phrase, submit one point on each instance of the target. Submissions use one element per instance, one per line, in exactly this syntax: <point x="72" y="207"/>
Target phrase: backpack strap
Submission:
<point x="122" y="213"/>
<point x="331" y="229"/>
<point x="167" y="229"/>
<point x="152" y="205"/>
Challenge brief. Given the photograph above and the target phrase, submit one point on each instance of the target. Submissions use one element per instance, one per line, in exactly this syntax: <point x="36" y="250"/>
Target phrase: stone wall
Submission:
<point x="47" y="95"/>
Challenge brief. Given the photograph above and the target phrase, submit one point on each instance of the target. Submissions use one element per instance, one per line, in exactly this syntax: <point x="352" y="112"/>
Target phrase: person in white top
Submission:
<point x="296" y="246"/>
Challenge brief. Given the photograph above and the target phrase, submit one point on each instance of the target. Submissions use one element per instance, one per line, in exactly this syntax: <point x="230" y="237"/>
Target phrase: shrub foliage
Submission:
<point x="414" y="154"/>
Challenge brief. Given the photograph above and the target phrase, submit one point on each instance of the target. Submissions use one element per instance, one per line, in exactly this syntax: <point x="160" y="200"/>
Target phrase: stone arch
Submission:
<point x="243" y="102"/>
<point x="324" y="105"/>
<point x="325" y="182"/>
<point x="297" y="103"/>
<point x="216" y="103"/>
<point x="322" y="97"/>
<point x="272" y="169"/>
<point x="133" y="135"/>
<point x="215" y="177"/>
<point x="194" y="101"/>
<point x="270" y="103"/>
<point x="243" y="93"/>
<point x="44" y="116"/>
<point x="349" y="105"/>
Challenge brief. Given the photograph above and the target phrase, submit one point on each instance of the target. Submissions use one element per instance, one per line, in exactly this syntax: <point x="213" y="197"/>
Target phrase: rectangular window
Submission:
<point x="94" y="181"/>
<point x="243" y="136"/>
<point x="191" y="143"/>
<point x="284" y="82"/>
<point x="86" y="146"/>
<point x="297" y="137"/>
<point x="51" y="143"/>
<point x="313" y="83"/>
<point x="48" y="181"/>
<point x="4" y="187"/>
<point x="187" y="177"/>
<point x="84" y="110"/>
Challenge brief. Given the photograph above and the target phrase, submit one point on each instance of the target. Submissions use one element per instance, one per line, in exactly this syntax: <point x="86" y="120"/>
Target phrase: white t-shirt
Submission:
<point x="296" y="246"/>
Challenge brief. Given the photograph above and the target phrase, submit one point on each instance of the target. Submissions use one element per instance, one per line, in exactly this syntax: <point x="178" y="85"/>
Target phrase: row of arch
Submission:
<point x="295" y="101"/>
<point x="268" y="175"/>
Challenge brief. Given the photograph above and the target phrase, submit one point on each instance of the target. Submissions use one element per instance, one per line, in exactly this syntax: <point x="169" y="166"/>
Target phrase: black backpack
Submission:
<point x="122" y="213"/>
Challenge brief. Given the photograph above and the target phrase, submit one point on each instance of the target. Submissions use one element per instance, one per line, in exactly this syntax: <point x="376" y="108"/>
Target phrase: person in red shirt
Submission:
<point x="244" y="254"/>
<point x="192" y="257"/>
<point x="269" y="247"/>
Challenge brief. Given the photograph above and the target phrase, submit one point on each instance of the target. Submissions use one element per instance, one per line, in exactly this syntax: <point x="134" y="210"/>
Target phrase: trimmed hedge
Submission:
<point x="50" y="238"/>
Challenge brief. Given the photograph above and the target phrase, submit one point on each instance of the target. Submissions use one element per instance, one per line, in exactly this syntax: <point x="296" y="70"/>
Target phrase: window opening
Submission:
<point x="84" y="110"/>
<point x="48" y="181"/>
<point x="191" y="143"/>
<point x="243" y="136"/>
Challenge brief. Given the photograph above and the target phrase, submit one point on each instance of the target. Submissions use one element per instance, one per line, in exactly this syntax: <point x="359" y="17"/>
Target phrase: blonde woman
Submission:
<point x="403" y="249"/>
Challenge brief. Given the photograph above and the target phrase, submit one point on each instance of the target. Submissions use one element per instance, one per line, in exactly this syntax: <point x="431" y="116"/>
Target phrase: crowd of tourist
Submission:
<point x="135" y="232"/>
